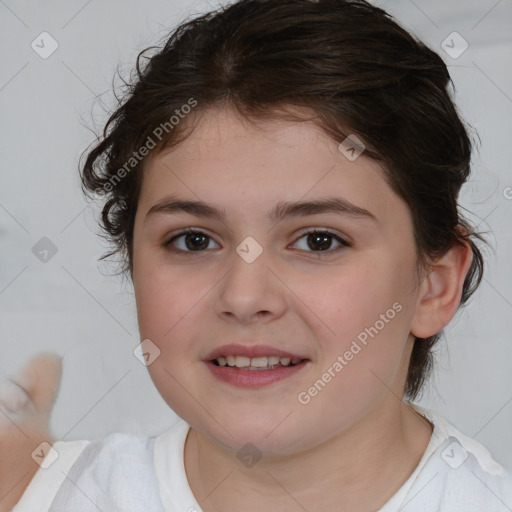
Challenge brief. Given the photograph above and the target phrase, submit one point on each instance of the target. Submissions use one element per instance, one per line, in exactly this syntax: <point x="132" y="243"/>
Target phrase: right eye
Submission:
<point x="193" y="241"/>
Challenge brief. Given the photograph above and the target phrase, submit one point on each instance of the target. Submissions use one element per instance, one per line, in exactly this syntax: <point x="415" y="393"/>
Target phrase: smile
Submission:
<point x="256" y="363"/>
<point x="254" y="372"/>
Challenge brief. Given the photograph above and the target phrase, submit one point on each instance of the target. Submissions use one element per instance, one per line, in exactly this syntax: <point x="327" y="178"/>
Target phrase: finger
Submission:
<point x="13" y="398"/>
<point x="40" y="378"/>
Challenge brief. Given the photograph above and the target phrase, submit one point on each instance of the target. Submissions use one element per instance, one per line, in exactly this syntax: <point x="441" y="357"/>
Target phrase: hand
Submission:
<point x="26" y="403"/>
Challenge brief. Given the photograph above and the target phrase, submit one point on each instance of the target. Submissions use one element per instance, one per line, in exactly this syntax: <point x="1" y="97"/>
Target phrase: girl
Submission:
<point x="282" y="183"/>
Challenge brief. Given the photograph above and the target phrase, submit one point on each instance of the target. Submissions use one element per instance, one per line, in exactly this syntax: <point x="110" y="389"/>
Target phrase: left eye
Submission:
<point x="197" y="241"/>
<point x="323" y="239"/>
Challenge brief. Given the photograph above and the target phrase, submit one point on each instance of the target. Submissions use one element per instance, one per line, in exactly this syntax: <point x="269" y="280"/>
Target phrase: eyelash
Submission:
<point x="315" y="231"/>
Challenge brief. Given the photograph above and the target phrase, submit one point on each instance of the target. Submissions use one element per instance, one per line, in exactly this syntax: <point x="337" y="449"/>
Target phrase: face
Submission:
<point x="340" y="300"/>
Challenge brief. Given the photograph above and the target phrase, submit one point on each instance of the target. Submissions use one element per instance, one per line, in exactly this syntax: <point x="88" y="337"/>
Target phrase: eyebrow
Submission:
<point x="281" y="211"/>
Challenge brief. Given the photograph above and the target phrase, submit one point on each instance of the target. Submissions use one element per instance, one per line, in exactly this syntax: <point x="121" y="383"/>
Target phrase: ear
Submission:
<point x="441" y="291"/>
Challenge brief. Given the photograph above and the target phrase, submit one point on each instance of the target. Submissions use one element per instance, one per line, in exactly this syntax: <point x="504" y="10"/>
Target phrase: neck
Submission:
<point x="358" y="469"/>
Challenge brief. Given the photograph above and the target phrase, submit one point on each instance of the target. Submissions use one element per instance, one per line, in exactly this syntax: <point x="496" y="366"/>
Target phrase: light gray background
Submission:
<point x="70" y="305"/>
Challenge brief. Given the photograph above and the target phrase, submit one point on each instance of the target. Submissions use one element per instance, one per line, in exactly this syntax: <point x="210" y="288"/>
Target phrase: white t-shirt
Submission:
<point x="130" y="473"/>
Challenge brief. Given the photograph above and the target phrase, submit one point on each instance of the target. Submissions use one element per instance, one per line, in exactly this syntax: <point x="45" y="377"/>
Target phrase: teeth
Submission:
<point x="259" y="362"/>
<point x="242" y="361"/>
<point x="256" y="362"/>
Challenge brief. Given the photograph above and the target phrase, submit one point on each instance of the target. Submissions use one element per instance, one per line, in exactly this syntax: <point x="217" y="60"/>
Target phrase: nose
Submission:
<point x="251" y="291"/>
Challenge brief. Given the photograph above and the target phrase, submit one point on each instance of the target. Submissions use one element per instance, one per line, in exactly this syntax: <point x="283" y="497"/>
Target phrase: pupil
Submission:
<point x="320" y="236"/>
<point x="195" y="236"/>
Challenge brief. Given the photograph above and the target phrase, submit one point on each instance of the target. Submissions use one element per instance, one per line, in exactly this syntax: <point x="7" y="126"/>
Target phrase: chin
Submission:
<point x="268" y="433"/>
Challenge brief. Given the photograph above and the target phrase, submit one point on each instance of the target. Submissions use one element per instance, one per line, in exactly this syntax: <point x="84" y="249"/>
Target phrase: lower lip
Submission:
<point x="253" y="378"/>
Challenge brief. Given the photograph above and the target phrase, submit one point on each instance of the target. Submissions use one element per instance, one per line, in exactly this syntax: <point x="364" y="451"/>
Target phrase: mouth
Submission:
<point x="253" y="365"/>
<point x="261" y="363"/>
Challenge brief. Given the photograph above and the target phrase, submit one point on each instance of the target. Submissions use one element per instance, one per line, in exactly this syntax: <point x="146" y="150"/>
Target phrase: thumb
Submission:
<point x="40" y="379"/>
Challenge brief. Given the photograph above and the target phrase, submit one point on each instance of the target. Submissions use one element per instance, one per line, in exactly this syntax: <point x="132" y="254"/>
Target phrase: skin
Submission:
<point x="354" y="444"/>
<point x="26" y="401"/>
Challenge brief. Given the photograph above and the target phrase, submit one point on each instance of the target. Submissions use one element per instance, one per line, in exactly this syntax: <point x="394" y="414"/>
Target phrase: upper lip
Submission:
<point x="234" y="349"/>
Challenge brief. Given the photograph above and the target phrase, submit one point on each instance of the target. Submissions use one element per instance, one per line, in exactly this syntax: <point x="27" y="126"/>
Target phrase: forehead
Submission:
<point x="234" y="162"/>
<point x="217" y="130"/>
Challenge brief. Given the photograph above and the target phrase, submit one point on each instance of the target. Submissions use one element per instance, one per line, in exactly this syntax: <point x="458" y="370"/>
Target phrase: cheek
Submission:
<point x="163" y="298"/>
<point x="354" y="298"/>
<point x="173" y="309"/>
<point x="364" y="322"/>
<point x="168" y="307"/>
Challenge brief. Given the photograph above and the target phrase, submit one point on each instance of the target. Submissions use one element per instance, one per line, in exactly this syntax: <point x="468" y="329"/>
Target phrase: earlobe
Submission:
<point x="441" y="291"/>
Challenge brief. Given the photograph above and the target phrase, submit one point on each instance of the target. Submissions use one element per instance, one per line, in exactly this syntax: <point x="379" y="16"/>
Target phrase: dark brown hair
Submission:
<point x="346" y="61"/>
